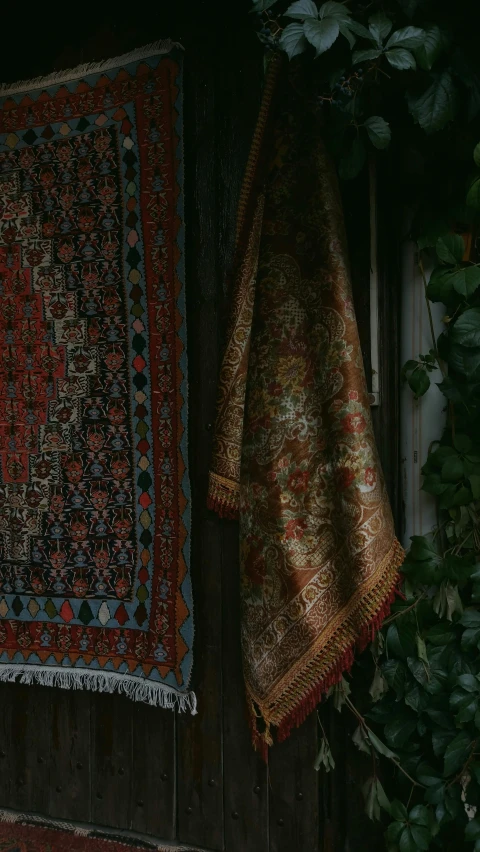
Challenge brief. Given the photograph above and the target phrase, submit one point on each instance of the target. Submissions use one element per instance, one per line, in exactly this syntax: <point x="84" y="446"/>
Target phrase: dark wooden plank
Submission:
<point x="294" y="791"/>
<point x="152" y="771"/>
<point x="24" y="752"/>
<point x="70" y="755"/>
<point x="245" y="773"/>
<point x="199" y="763"/>
<point x="111" y="742"/>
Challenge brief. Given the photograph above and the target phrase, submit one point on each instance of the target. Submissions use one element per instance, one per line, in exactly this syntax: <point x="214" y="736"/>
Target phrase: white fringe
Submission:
<point x="136" y="688"/>
<point x="59" y="77"/>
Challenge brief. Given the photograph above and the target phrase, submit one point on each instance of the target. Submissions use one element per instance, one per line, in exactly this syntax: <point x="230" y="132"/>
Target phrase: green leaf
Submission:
<point x="372" y="807"/>
<point x="332" y="9"/>
<point x="440" y="741"/>
<point x="302" y="9"/>
<point x="469" y="682"/>
<point x="399" y="729"/>
<point x="427" y="776"/>
<point x="378" y="686"/>
<point x="470" y="638"/>
<point x="416" y="698"/>
<point x="431" y="48"/>
<point x="347" y="33"/>
<point x="462" y="443"/>
<point x="421" y="649"/>
<point x="394" y="673"/>
<point x="398" y="811"/>
<point x="466" y="330"/>
<point x="341" y="691"/>
<point x="467" y="709"/>
<point x="324" y="757"/>
<point x="433" y="484"/>
<point x="365" y="55"/>
<point x="419" y="815"/>
<point x="471" y="619"/>
<point x="401" y="640"/>
<point x="359" y="29"/>
<point x="262" y="5"/>
<point x="472" y="830"/>
<point x="421" y="837"/>
<point x="476" y="155"/>
<point x="352" y="164"/>
<point x="293" y="40"/>
<point x="380" y="26"/>
<point x="378" y="131"/>
<point x="466" y="280"/>
<point x="473" y="195"/>
<point x="409" y="37"/>
<point x="421" y="549"/>
<point x="419" y="382"/>
<point x="456" y="753"/>
<point x="440" y="286"/>
<point x="440" y="634"/>
<point x="360" y="739"/>
<point x="452" y="470"/>
<point x="379" y="746"/>
<point x="321" y="34"/>
<point x="401" y="59"/>
<point x="450" y="248"/>
<point x="435" y="107"/>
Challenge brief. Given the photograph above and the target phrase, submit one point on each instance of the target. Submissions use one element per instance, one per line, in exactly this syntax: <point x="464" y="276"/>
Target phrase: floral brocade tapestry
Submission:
<point x="94" y="492"/>
<point x="294" y="450"/>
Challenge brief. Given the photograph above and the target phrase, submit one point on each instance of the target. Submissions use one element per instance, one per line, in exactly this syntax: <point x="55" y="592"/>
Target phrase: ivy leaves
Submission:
<point x="319" y="27"/>
<point x="397" y="49"/>
<point x="435" y="107"/>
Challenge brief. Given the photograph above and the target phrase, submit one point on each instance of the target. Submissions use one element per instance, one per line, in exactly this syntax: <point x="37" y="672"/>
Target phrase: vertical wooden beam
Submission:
<point x="199" y="738"/>
<point x="152" y="772"/>
<point x="293" y="791"/>
<point x="69" y="782"/>
<point x="111" y="764"/>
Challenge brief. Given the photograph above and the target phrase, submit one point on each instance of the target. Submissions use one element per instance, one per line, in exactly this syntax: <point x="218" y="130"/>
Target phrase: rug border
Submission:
<point x="163" y="46"/>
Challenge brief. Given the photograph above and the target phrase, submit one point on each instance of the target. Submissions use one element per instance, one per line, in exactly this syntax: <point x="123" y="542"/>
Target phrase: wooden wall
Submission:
<point x="103" y="759"/>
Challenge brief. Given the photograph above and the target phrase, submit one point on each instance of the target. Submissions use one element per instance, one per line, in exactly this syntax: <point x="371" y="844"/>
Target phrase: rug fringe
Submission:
<point x="344" y="642"/>
<point x="136" y="688"/>
<point x="223" y="496"/>
<point x="59" y="77"/>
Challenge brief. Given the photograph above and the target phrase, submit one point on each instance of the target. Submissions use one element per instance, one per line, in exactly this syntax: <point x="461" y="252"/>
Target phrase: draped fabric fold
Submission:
<point x="294" y="451"/>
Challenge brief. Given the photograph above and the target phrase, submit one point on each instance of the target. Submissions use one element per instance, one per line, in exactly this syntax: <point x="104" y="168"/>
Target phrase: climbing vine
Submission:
<point x="402" y="75"/>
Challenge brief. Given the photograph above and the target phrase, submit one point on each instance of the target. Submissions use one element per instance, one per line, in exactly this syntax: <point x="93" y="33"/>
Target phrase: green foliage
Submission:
<point x="381" y="59"/>
<point x="403" y="75"/>
<point x="424" y="696"/>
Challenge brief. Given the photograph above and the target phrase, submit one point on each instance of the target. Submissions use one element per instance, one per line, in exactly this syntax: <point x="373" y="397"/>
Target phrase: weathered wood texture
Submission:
<point x="103" y="759"/>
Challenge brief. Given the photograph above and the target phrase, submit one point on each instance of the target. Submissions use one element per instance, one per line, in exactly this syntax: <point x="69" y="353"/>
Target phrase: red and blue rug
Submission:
<point x="94" y="492"/>
<point x="35" y="837"/>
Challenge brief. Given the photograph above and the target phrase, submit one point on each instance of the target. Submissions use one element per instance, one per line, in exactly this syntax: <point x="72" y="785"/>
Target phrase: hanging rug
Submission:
<point x="22" y="833"/>
<point x="94" y="492"/>
<point x="294" y="453"/>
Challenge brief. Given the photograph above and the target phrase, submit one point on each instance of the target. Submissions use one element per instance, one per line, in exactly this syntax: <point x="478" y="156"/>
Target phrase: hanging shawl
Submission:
<point x="294" y="451"/>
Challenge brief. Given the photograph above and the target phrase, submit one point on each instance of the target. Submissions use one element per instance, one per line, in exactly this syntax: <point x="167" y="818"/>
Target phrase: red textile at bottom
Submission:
<point x="15" y="837"/>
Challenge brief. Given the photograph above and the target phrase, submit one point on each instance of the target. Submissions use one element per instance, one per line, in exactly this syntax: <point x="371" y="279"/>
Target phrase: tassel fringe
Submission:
<point x="59" y="77"/>
<point x="136" y="688"/>
<point x="327" y="667"/>
<point x="223" y="496"/>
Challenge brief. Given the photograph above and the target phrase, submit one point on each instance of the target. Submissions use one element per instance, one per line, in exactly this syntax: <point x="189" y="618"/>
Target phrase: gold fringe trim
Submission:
<point x="223" y="495"/>
<point x="253" y="157"/>
<point x="328" y="660"/>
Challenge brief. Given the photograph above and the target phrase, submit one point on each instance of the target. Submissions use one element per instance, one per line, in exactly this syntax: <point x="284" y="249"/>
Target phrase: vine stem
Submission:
<point x="364" y="725"/>
<point x="403" y="611"/>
